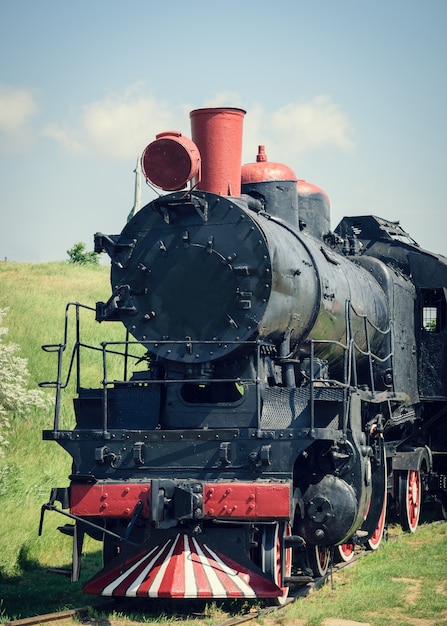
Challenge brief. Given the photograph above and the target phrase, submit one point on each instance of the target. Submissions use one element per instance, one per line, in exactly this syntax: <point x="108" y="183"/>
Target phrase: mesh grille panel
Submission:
<point x="289" y="408"/>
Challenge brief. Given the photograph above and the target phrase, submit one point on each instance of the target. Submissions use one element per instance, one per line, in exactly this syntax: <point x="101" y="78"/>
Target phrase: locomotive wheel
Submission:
<point x="344" y="553"/>
<point x="376" y="538"/>
<point x="318" y="558"/>
<point x="378" y="503"/>
<point x="410" y="490"/>
<point x="271" y="550"/>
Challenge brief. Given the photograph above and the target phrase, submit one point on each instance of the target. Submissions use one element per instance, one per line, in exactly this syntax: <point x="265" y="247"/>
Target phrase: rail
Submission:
<point x="349" y="349"/>
<point x="105" y="607"/>
<point x="125" y="349"/>
<point x="131" y="351"/>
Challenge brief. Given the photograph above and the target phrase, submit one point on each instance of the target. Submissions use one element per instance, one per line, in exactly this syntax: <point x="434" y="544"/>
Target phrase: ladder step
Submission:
<point x="67" y="529"/>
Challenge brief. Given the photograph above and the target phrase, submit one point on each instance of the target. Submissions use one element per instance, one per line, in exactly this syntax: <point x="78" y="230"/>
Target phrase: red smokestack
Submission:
<point x="218" y="136"/>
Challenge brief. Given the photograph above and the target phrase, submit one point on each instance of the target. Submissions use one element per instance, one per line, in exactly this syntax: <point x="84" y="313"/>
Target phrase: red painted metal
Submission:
<point x="182" y="567"/>
<point x="218" y="134"/>
<point x="411" y="500"/>
<point x="308" y="189"/>
<point x="247" y="500"/>
<point x="108" y="500"/>
<point x="171" y="161"/>
<point x="264" y="170"/>
<point x="235" y="500"/>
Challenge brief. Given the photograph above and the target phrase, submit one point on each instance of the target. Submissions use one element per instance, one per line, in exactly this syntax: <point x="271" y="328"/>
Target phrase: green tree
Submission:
<point x="77" y="254"/>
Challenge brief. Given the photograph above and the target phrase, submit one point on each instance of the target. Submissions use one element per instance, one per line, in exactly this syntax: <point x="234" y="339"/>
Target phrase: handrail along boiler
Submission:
<point x="282" y="382"/>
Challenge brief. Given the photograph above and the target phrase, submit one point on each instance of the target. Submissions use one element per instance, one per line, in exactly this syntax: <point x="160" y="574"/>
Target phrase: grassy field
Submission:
<point x="406" y="580"/>
<point x="403" y="583"/>
<point x="35" y="296"/>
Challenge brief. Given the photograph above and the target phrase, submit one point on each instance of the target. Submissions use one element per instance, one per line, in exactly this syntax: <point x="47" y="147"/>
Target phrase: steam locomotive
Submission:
<point x="283" y="385"/>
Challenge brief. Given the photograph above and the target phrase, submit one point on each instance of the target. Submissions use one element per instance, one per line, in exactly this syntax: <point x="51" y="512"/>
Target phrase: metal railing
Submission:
<point x="350" y="349"/>
<point x="125" y="350"/>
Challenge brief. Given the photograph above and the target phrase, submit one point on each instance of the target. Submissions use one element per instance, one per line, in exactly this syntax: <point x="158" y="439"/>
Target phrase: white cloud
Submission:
<point x="298" y="128"/>
<point x="225" y="99"/>
<point x="17" y="108"/>
<point x="256" y="123"/>
<point x="313" y="124"/>
<point x="64" y="136"/>
<point x="122" y="127"/>
<point x="118" y="127"/>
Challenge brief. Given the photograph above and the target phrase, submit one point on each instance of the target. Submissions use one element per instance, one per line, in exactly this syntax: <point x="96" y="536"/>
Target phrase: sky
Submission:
<point x="351" y="94"/>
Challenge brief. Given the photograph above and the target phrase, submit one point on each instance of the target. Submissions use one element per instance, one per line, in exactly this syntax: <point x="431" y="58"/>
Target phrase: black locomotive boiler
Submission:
<point x="283" y="385"/>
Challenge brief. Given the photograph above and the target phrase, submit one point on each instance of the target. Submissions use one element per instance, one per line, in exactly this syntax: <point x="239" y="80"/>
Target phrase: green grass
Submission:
<point x="36" y="296"/>
<point x="405" y="579"/>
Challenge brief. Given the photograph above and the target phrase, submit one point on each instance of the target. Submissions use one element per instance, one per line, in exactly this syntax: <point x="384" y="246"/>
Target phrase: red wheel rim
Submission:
<point x="413" y="500"/>
<point x="318" y="559"/>
<point x="376" y="538"/>
<point x="374" y="541"/>
<point x="346" y="551"/>
<point x="323" y="556"/>
<point x="271" y="557"/>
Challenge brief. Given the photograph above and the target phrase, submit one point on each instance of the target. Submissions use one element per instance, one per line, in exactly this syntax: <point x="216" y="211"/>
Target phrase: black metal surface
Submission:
<point x="273" y="357"/>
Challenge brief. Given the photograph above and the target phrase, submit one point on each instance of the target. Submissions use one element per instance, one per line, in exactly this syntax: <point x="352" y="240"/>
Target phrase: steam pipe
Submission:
<point x="217" y="133"/>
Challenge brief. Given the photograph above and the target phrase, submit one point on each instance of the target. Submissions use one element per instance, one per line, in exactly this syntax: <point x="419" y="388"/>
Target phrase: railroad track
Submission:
<point x="59" y="616"/>
<point x="80" y="614"/>
<point x="67" y="617"/>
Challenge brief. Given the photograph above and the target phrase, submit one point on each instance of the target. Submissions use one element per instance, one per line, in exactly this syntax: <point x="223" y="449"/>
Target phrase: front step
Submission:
<point x="67" y="529"/>
<point x="297" y="580"/>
